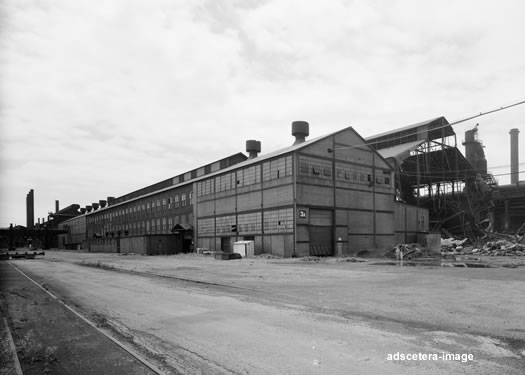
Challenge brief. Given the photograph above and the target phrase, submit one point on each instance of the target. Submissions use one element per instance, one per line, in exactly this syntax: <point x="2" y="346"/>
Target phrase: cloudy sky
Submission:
<point x="99" y="98"/>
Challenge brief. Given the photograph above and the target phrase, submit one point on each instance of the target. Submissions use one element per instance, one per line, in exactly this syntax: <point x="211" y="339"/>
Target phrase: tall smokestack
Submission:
<point x="514" y="156"/>
<point x="57" y="206"/>
<point x="300" y="130"/>
<point x="30" y="209"/>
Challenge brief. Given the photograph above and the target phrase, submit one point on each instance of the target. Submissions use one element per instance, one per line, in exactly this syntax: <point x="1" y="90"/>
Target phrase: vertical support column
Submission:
<point x="374" y="197"/>
<point x="295" y="172"/>
<point x="506" y="216"/>
<point x="514" y="156"/>
<point x="334" y="226"/>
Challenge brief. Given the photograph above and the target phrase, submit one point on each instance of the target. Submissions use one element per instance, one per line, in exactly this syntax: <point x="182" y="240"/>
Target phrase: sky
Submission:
<point x="100" y="98"/>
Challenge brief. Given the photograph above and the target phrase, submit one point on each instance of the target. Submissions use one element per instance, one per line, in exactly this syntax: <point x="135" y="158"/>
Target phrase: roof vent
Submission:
<point x="300" y="130"/>
<point x="253" y="148"/>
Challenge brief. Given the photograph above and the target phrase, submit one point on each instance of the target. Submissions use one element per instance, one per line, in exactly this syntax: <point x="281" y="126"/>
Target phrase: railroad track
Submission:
<point x="122" y="345"/>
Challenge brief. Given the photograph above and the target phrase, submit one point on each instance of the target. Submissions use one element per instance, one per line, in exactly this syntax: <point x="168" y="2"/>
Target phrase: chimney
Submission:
<point x="88" y="208"/>
<point x="82" y="210"/>
<point x="30" y="209"/>
<point x="110" y="200"/>
<point x="253" y="148"/>
<point x="300" y="130"/>
<point x="102" y="203"/>
<point x="514" y="156"/>
<point x="95" y="206"/>
<point x="57" y="206"/>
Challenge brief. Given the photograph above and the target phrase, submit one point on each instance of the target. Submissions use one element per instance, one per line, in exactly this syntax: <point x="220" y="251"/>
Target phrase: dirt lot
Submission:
<point x="195" y="314"/>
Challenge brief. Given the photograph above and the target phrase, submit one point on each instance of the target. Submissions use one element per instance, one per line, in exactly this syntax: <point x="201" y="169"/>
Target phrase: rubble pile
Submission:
<point x="507" y="246"/>
<point x="498" y="248"/>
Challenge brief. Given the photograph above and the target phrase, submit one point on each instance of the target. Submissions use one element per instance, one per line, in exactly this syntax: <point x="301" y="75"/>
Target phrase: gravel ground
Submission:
<point x="298" y="315"/>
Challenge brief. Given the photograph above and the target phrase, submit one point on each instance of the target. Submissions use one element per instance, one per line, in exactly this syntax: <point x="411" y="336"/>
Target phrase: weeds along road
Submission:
<point x="261" y="317"/>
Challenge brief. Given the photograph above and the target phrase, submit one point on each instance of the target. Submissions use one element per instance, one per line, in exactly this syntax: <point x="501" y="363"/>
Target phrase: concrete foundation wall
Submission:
<point x="135" y="245"/>
<point x="102" y="245"/>
<point x="149" y="244"/>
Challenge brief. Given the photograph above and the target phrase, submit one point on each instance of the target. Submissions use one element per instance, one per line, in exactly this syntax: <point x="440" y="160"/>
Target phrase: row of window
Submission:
<point x="154" y="226"/>
<point x="275" y="221"/>
<point x="270" y="170"/>
<point x="320" y="168"/>
<point x="138" y="210"/>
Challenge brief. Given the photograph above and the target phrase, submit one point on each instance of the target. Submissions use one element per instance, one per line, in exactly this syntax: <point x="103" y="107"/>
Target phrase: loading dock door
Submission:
<point x="226" y="245"/>
<point x="320" y="229"/>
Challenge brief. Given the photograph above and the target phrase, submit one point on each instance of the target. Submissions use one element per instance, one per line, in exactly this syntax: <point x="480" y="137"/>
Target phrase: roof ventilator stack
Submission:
<point x="300" y="130"/>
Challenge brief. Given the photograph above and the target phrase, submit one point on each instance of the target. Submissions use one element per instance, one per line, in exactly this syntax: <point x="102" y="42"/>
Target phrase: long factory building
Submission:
<point x="332" y="195"/>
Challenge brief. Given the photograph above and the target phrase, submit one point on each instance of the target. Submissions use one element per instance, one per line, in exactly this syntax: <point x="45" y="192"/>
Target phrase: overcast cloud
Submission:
<point x="101" y="98"/>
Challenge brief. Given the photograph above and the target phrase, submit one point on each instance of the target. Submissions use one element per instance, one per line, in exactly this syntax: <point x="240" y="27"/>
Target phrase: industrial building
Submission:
<point x="331" y="195"/>
<point x="338" y="194"/>
<point x="157" y="219"/>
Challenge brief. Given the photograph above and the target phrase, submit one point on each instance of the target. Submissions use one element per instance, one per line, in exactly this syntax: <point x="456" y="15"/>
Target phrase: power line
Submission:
<point x="503" y="166"/>
<point x="488" y="112"/>
<point x="436" y="175"/>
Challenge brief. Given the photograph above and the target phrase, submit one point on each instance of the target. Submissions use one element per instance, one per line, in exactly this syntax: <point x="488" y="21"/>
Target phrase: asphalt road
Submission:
<point x="248" y="320"/>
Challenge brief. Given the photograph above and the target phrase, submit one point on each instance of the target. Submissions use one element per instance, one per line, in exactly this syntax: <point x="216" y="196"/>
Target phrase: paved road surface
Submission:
<point x="199" y="328"/>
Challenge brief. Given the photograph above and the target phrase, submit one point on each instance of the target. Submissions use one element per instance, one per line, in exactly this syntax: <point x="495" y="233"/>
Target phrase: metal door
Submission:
<point x="321" y="243"/>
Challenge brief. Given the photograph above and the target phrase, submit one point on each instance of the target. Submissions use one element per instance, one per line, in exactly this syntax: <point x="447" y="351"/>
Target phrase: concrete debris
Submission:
<point x="502" y="247"/>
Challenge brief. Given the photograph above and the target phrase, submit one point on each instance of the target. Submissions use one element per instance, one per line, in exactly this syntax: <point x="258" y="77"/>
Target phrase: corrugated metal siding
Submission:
<point x="320" y="217"/>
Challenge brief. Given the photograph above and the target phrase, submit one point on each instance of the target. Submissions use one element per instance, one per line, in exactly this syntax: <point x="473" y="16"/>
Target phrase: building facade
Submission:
<point x="333" y="195"/>
<point x="157" y="219"/>
<point x="328" y="196"/>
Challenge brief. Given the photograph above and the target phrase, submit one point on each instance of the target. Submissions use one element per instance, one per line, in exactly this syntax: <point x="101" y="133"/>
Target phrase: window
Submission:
<point x="164" y="203"/>
<point x="164" y="224"/>
<point x="152" y="226"/>
<point x="169" y="203"/>
<point x="206" y="227"/>
<point x="176" y="201"/>
<point x="277" y="168"/>
<point x="277" y="221"/>
<point x="183" y="200"/>
<point x="158" y="204"/>
<point x="191" y="197"/>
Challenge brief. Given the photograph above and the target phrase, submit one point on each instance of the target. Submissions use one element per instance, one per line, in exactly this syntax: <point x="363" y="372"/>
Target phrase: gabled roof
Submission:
<point x="432" y="129"/>
<point x="400" y="152"/>
<point x="248" y="162"/>
<point x="280" y="152"/>
<point x="181" y="227"/>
